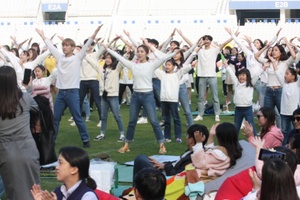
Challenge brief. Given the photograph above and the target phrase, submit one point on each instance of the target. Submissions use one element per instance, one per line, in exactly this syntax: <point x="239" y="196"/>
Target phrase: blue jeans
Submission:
<point x="184" y="100"/>
<point x="212" y="82"/>
<point x="69" y="98"/>
<point x="272" y="100"/>
<point x="93" y="86"/>
<point x="156" y="92"/>
<point x="1" y="187"/>
<point x="140" y="162"/>
<point x="261" y="88"/>
<point x="113" y="104"/>
<point x="286" y="126"/>
<point x="244" y="112"/>
<point x="85" y="107"/>
<point x="146" y="100"/>
<point x="168" y="109"/>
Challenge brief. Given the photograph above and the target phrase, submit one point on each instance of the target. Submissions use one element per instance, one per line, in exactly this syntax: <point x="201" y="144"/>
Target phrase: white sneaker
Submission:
<point x="71" y="119"/>
<point x="217" y="118"/>
<point x="87" y="119"/>
<point x="99" y="124"/>
<point x="142" y="120"/>
<point x="73" y="124"/>
<point x="198" y="118"/>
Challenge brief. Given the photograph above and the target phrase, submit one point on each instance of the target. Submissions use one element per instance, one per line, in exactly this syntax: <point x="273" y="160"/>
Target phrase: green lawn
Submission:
<point x="144" y="140"/>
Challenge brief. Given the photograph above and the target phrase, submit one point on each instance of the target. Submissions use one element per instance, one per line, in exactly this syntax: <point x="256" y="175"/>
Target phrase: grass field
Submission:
<point x="144" y="140"/>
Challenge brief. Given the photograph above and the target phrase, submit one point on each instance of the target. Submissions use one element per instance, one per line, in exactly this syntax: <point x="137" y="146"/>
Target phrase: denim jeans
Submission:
<point x="146" y="100"/>
<point x="69" y="98"/>
<point x="244" y="112"/>
<point x="261" y="88"/>
<point x="156" y="91"/>
<point x="140" y="162"/>
<point x="272" y="100"/>
<point x="184" y="100"/>
<point x="93" y="86"/>
<point x="113" y="104"/>
<point x="212" y="82"/>
<point x="86" y="106"/>
<point x="170" y="109"/>
<point x="286" y="126"/>
<point x="1" y="187"/>
<point x="122" y="88"/>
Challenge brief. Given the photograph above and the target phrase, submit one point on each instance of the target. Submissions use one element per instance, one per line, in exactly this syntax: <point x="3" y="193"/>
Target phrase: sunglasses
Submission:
<point x="296" y="118"/>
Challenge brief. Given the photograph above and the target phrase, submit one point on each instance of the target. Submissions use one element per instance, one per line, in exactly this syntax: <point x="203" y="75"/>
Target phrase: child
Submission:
<point x="72" y="170"/>
<point x="41" y="84"/>
<point x="68" y="78"/>
<point x="169" y="95"/>
<point x="243" y="96"/>
<point x="109" y="86"/>
<point x="289" y="98"/>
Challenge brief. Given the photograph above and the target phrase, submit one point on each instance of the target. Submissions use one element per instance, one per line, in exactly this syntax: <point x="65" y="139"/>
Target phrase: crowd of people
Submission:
<point x="158" y="78"/>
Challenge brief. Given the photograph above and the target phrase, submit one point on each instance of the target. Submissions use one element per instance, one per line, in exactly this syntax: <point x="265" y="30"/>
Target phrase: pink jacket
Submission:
<point x="272" y="139"/>
<point x="210" y="161"/>
<point x="44" y="91"/>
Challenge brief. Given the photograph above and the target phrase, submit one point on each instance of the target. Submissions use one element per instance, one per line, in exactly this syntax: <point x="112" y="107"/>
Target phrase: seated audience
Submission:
<point x="269" y="132"/>
<point x="172" y="168"/>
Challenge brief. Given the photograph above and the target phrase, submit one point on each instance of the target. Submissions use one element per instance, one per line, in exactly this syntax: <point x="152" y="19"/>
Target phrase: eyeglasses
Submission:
<point x="258" y="116"/>
<point x="296" y="118"/>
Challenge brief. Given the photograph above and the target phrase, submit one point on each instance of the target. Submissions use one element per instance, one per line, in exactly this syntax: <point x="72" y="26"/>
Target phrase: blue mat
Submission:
<point x="125" y="173"/>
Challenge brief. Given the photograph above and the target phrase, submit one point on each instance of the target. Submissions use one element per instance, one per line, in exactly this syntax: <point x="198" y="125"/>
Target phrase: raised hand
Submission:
<point x="36" y="192"/>
<point x="248" y="129"/>
<point x="126" y="33"/>
<point x="258" y="142"/>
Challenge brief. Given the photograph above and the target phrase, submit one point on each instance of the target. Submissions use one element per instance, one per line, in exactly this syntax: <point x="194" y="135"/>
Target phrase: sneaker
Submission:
<point x="91" y="109"/>
<point x="87" y="119"/>
<point x="198" y="118"/>
<point x="162" y="123"/>
<point x="71" y="119"/>
<point x="142" y="120"/>
<point x="178" y="140"/>
<point x="86" y="144"/>
<point x="99" y="137"/>
<point x="162" y="149"/>
<point x="121" y="139"/>
<point x="228" y="103"/>
<point x="168" y="140"/>
<point x="99" y="124"/>
<point x="123" y="101"/>
<point x="73" y="124"/>
<point x="124" y="148"/>
<point x="217" y="118"/>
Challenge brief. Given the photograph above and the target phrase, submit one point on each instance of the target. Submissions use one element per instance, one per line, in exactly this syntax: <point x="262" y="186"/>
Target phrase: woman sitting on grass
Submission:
<point x="212" y="161"/>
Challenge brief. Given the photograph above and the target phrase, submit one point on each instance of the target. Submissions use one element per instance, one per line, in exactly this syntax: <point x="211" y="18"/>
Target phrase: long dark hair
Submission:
<point x="247" y="73"/>
<point x="283" y="55"/>
<point x="10" y="93"/>
<point x="77" y="157"/>
<point x="181" y="59"/>
<point x="113" y="64"/>
<point x="277" y="181"/>
<point x="228" y="137"/>
<point x="269" y="114"/>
